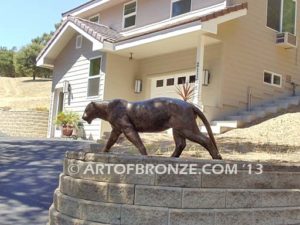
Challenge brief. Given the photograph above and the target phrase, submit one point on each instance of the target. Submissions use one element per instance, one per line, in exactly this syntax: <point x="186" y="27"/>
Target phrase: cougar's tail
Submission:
<point x="206" y="124"/>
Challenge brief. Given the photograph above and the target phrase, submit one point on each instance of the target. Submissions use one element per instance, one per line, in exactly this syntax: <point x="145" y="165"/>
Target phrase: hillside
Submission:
<point x="24" y="93"/>
<point x="275" y="139"/>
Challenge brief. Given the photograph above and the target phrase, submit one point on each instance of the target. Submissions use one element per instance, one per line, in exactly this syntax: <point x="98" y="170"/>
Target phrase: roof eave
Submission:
<point x="43" y="61"/>
<point x="209" y="25"/>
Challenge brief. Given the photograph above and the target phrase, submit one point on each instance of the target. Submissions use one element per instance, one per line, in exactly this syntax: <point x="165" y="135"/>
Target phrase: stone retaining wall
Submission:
<point x="160" y="199"/>
<point x="24" y="123"/>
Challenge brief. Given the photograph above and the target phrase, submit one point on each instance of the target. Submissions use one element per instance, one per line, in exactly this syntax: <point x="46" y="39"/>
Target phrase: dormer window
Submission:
<point x="180" y="7"/>
<point x="282" y="15"/>
<point x="129" y="14"/>
<point x="95" y="19"/>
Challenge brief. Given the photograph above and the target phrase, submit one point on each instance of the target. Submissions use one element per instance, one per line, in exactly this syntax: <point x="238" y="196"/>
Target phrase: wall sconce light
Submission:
<point x="131" y="56"/>
<point x="206" y="78"/>
<point x="138" y="86"/>
<point x="66" y="87"/>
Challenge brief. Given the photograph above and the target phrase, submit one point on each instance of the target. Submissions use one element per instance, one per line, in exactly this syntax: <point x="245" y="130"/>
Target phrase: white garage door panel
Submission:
<point x="166" y="85"/>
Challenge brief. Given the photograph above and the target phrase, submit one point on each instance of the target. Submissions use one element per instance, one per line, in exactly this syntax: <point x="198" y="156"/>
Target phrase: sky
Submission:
<point x="23" y="20"/>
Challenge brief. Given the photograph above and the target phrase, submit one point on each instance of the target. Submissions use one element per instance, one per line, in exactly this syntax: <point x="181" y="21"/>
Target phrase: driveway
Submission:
<point x="29" y="171"/>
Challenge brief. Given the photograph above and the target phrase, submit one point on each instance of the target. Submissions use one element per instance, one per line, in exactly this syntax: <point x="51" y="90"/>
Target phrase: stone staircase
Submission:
<point x="243" y="197"/>
<point x="29" y="124"/>
<point x="258" y="112"/>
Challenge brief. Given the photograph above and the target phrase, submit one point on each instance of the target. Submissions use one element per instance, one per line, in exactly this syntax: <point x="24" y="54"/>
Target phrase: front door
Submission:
<point x="59" y="97"/>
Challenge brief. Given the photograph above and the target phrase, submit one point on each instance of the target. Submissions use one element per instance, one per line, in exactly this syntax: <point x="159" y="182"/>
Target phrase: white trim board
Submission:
<point x="97" y="45"/>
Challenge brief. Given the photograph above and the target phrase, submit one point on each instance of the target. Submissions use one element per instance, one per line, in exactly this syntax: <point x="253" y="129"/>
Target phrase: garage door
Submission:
<point x="166" y="85"/>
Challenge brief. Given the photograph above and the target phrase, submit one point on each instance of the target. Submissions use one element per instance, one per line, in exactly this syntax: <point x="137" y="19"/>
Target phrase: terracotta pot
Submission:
<point x="67" y="130"/>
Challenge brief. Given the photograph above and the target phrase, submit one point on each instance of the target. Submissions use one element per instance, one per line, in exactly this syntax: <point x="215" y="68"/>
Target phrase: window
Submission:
<point x="95" y="19"/>
<point x="282" y="15"/>
<point x="180" y="7"/>
<point x="272" y="79"/>
<point x="192" y="79"/>
<point x="129" y="15"/>
<point x="181" y="80"/>
<point x="78" y="41"/>
<point x="170" y="82"/>
<point x="159" y="83"/>
<point x="94" y="77"/>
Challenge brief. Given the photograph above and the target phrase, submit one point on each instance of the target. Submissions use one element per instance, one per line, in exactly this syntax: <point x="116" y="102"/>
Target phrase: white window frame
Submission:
<point x="93" y="77"/>
<point x="79" y="41"/>
<point x="281" y="17"/>
<point x="97" y="15"/>
<point x="272" y="79"/>
<point x="129" y="15"/>
<point x="171" y="10"/>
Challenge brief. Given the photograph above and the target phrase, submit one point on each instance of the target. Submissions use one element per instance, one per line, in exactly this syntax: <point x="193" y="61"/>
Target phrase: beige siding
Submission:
<point x="73" y="65"/>
<point x="201" y="4"/>
<point x="148" y="12"/>
<point x="211" y="94"/>
<point x="120" y="76"/>
<point x="151" y="67"/>
<point x="249" y="49"/>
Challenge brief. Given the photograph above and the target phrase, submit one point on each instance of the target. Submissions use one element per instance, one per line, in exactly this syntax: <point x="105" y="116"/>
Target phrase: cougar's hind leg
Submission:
<point x="180" y="143"/>
<point x="202" y="140"/>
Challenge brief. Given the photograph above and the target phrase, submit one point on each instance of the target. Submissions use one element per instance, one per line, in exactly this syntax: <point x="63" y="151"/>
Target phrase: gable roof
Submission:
<point x="102" y="33"/>
<point x="98" y="31"/>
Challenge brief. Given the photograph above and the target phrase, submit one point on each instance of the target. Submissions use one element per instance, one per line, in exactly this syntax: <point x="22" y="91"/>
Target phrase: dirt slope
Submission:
<point x="275" y="140"/>
<point x="23" y="93"/>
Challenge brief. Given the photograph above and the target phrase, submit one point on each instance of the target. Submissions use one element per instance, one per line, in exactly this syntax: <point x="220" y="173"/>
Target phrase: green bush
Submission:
<point x="67" y="119"/>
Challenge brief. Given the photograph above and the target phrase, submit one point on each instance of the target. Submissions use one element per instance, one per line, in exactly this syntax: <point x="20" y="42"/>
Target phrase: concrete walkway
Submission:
<point x="29" y="171"/>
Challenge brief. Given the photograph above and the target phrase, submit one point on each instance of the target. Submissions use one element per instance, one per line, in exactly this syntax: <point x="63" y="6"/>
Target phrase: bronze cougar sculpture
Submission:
<point x="153" y="115"/>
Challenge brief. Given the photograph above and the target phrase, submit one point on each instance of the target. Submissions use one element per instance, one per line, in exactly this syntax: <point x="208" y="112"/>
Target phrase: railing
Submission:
<point x="294" y="86"/>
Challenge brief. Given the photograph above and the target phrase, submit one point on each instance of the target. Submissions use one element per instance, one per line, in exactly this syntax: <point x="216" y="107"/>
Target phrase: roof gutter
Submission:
<point x="84" y="7"/>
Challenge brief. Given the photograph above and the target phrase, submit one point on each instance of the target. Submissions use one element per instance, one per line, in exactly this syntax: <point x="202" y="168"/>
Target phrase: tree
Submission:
<point x="6" y="62"/>
<point x="25" y="59"/>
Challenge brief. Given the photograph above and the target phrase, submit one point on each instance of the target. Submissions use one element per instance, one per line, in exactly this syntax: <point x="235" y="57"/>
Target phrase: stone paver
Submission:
<point x="29" y="172"/>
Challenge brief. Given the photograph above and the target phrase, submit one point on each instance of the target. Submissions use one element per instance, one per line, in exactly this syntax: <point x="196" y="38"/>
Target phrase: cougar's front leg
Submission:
<point x="114" y="135"/>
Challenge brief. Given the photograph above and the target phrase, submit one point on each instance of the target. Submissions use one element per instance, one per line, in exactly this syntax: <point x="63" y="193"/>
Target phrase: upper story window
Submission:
<point x="95" y="19"/>
<point x="282" y="15"/>
<point x="180" y="7"/>
<point x="129" y="14"/>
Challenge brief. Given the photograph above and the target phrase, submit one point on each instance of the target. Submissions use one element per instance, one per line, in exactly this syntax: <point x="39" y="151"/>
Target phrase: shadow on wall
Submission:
<point x="29" y="172"/>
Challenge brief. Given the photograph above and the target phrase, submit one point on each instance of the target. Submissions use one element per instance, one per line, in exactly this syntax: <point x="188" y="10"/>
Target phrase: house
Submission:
<point x="140" y="49"/>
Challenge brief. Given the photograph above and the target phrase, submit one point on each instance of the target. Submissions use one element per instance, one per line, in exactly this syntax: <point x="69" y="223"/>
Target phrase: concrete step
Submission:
<point x="279" y="104"/>
<point x="227" y="123"/>
<point x="258" y="113"/>
<point x="269" y="109"/>
<point x="294" y="99"/>
<point x="219" y="127"/>
<point x="216" y="129"/>
<point x="246" y="118"/>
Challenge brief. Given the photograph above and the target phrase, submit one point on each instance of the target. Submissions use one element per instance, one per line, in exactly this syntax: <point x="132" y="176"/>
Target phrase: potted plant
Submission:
<point x="68" y="122"/>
